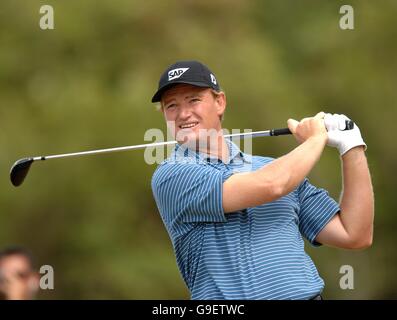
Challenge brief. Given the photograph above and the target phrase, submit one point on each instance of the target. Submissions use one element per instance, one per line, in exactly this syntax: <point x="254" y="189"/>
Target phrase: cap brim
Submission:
<point x="159" y="93"/>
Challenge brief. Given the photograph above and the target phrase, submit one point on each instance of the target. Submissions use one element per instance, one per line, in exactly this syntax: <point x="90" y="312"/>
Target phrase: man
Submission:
<point x="18" y="280"/>
<point x="237" y="221"/>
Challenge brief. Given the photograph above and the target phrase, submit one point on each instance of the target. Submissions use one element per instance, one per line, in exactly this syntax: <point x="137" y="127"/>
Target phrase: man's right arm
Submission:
<point x="283" y="175"/>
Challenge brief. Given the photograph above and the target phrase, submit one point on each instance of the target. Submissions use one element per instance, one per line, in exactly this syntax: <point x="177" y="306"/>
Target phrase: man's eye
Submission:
<point x="170" y="106"/>
<point x="194" y="100"/>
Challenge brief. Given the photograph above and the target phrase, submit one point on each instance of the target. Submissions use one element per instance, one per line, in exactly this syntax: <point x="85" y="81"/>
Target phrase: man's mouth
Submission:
<point x="188" y="125"/>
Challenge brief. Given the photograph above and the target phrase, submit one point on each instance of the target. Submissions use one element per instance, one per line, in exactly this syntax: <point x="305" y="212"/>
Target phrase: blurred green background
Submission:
<point x="87" y="85"/>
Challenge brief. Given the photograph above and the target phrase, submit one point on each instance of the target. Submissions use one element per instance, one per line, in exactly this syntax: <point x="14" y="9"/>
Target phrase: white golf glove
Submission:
<point x="338" y="137"/>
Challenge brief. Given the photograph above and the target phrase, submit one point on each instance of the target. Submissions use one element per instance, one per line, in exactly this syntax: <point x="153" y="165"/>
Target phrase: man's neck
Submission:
<point x="217" y="147"/>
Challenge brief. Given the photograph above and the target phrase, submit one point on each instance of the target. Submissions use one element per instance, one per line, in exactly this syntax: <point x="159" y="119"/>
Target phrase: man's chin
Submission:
<point x="185" y="135"/>
<point x="198" y="139"/>
<point x="190" y="140"/>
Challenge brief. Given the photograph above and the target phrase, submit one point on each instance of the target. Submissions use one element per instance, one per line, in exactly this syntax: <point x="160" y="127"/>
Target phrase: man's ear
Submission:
<point x="160" y="107"/>
<point x="220" y="100"/>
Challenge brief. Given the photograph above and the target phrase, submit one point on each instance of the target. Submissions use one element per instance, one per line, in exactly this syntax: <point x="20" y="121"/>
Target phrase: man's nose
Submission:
<point x="185" y="112"/>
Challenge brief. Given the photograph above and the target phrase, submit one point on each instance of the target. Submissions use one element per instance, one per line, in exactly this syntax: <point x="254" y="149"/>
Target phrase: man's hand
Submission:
<point x="338" y="137"/>
<point x="308" y="128"/>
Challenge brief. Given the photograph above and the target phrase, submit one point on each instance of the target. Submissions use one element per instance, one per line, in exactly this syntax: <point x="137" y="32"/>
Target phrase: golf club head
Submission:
<point x="19" y="171"/>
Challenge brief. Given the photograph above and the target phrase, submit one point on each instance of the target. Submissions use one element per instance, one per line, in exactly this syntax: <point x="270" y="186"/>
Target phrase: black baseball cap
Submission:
<point x="189" y="72"/>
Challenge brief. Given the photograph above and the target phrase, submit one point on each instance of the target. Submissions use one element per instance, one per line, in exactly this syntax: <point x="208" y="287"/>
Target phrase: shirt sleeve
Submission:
<point x="316" y="209"/>
<point x="189" y="193"/>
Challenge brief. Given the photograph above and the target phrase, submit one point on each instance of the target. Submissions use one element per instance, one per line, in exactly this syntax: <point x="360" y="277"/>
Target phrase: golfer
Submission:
<point x="237" y="221"/>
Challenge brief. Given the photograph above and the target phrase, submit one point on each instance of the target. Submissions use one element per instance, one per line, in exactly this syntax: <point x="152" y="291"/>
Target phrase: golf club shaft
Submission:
<point x="273" y="132"/>
<point x="21" y="167"/>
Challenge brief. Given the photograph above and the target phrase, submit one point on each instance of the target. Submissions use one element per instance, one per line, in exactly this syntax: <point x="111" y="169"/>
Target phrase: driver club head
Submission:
<point x="19" y="171"/>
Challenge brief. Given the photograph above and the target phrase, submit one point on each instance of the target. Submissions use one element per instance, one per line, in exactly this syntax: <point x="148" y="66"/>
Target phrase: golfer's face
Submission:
<point x="191" y="110"/>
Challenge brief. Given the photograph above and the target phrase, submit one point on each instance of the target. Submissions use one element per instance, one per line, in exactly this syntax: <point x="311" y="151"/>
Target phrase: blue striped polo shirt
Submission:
<point x="255" y="253"/>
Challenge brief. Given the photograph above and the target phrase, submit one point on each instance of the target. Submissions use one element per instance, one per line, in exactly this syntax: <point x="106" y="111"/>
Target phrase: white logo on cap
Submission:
<point x="213" y="80"/>
<point x="176" y="73"/>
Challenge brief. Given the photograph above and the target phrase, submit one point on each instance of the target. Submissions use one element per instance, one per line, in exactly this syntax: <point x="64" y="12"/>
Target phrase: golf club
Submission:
<point x="21" y="167"/>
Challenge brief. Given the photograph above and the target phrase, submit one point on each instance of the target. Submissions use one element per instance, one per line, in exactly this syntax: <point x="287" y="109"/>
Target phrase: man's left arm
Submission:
<point x="352" y="227"/>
